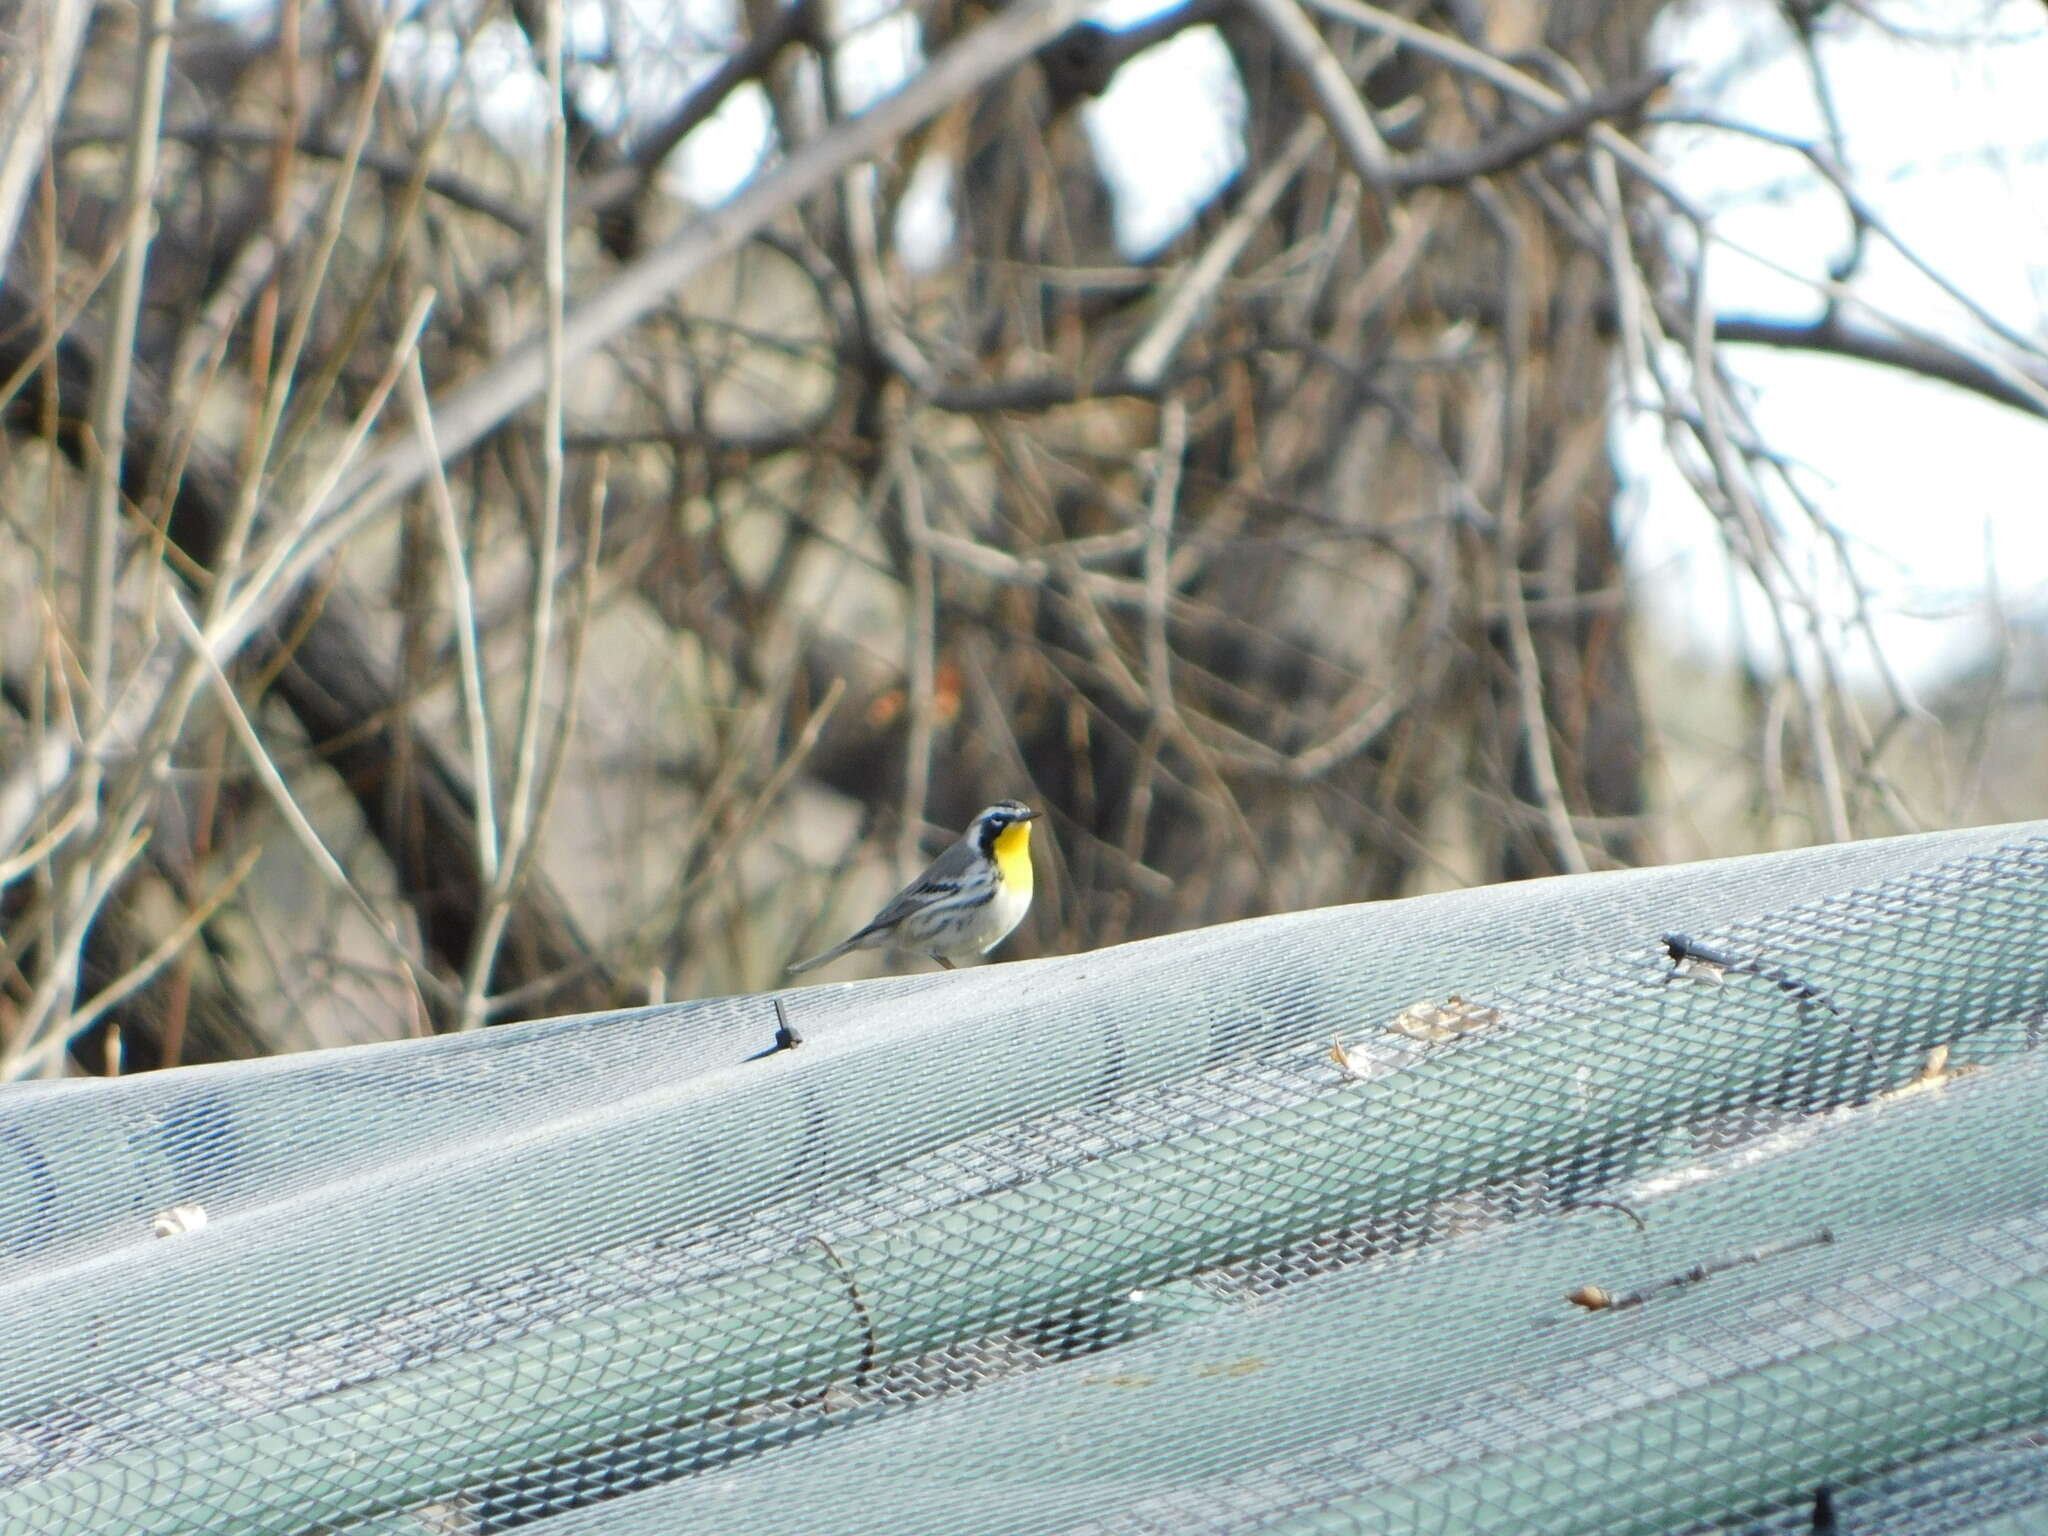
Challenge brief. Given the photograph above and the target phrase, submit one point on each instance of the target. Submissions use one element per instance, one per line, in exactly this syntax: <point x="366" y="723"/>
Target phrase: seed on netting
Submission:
<point x="179" y="1218"/>
<point x="1246" y="1365"/>
<point x="1433" y="1022"/>
<point x="1934" y="1073"/>
<point x="1356" y="1069"/>
<point x="1591" y="1297"/>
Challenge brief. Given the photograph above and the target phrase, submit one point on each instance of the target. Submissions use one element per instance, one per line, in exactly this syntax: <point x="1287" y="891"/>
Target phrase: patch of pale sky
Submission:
<point x="1934" y="491"/>
<point x="1167" y="133"/>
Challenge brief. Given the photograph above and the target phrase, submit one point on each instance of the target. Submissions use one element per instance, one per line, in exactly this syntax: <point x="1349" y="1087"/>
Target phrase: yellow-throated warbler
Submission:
<point x="966" y="903"/>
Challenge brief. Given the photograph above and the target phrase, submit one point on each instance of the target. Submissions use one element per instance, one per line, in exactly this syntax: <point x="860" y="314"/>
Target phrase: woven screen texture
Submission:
<point x="1491" y="1211"/>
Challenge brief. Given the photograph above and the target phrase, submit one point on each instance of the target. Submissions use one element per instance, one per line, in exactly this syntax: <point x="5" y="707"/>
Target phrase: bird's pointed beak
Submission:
<point x="1031" y="816"/>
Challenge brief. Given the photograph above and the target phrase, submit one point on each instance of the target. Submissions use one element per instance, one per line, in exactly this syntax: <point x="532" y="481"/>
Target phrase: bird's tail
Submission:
<point x="831" y="954"/>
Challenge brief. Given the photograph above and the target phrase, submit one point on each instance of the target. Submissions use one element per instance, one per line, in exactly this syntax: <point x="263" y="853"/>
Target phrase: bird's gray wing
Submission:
<point x="928" y="893"/>
<point x="945" y="877"/>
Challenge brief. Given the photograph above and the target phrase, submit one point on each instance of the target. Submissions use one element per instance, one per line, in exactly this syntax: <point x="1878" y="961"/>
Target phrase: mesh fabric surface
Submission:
<point x="1105" y="1243"/>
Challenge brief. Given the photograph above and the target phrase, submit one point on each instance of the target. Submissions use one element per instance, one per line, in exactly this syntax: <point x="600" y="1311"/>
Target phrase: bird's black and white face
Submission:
<point x="992" y="823"/>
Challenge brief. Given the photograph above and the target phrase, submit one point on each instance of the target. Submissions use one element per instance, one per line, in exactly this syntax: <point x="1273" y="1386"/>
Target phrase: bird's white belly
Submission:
<point x="1005" y="911"/>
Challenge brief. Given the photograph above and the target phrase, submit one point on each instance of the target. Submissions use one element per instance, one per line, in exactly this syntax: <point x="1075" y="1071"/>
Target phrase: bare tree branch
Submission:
<point x="1923" y="357"/>
<point x="32" y="90"/>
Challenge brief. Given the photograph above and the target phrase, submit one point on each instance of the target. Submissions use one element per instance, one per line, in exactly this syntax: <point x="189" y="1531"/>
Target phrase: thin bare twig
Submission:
<point x="921" y="642"/>
<point x="1869" y="218"/>
<point x="227" y="563"/>
<point x="462" y="602"/>
<point x="1350" y="120"/>
<point x="1146" y="362"/>
<point x="139" y="975"/>
<point x="572" y="666"/>
<point x="281" y="797"/>
<point x="749" y="62"/>
<point x="31" y="100"/>
<point x="14" y="867"/>
<point x="990" y="50"/>
<point x="204" y="345"/>
<point x="1527" y="140"/>
<point x="110" y="399"/>
<point x="39" y="1036"/>
<point x="1714" y="437"/>
<point x="150" y="708"/>
<point x="522" y="823"/>
<point x="715" y="863"/>
<point x="1927" y="357"/>
<point x="1173" y="447"/>
<point x="300" y="544"/>
<point x="387" y="167"/>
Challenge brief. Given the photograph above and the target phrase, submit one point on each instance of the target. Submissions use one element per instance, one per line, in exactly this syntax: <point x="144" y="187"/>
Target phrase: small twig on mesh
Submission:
<point x="1610" y="1205"/>
<point x="1593" y="1299"/>
<point x="1935" y="1072"/>
<point x="1689" y="957"/>
<point x="860" y="1304"/>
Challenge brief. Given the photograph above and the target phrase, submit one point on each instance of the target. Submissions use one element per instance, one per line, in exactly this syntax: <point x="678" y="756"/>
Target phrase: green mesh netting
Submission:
<point x="1108" y="1243"/>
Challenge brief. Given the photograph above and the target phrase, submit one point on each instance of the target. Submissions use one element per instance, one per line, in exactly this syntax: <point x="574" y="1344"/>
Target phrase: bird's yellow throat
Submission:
<point x="1013" y="856"/>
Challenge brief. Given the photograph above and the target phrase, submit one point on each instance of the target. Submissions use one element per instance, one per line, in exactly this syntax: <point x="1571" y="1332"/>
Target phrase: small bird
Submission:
<point x="966" y="903"/>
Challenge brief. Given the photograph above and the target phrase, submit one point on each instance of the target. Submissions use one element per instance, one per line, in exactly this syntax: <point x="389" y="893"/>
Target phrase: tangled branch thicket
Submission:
<point x="452" y="579"/>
